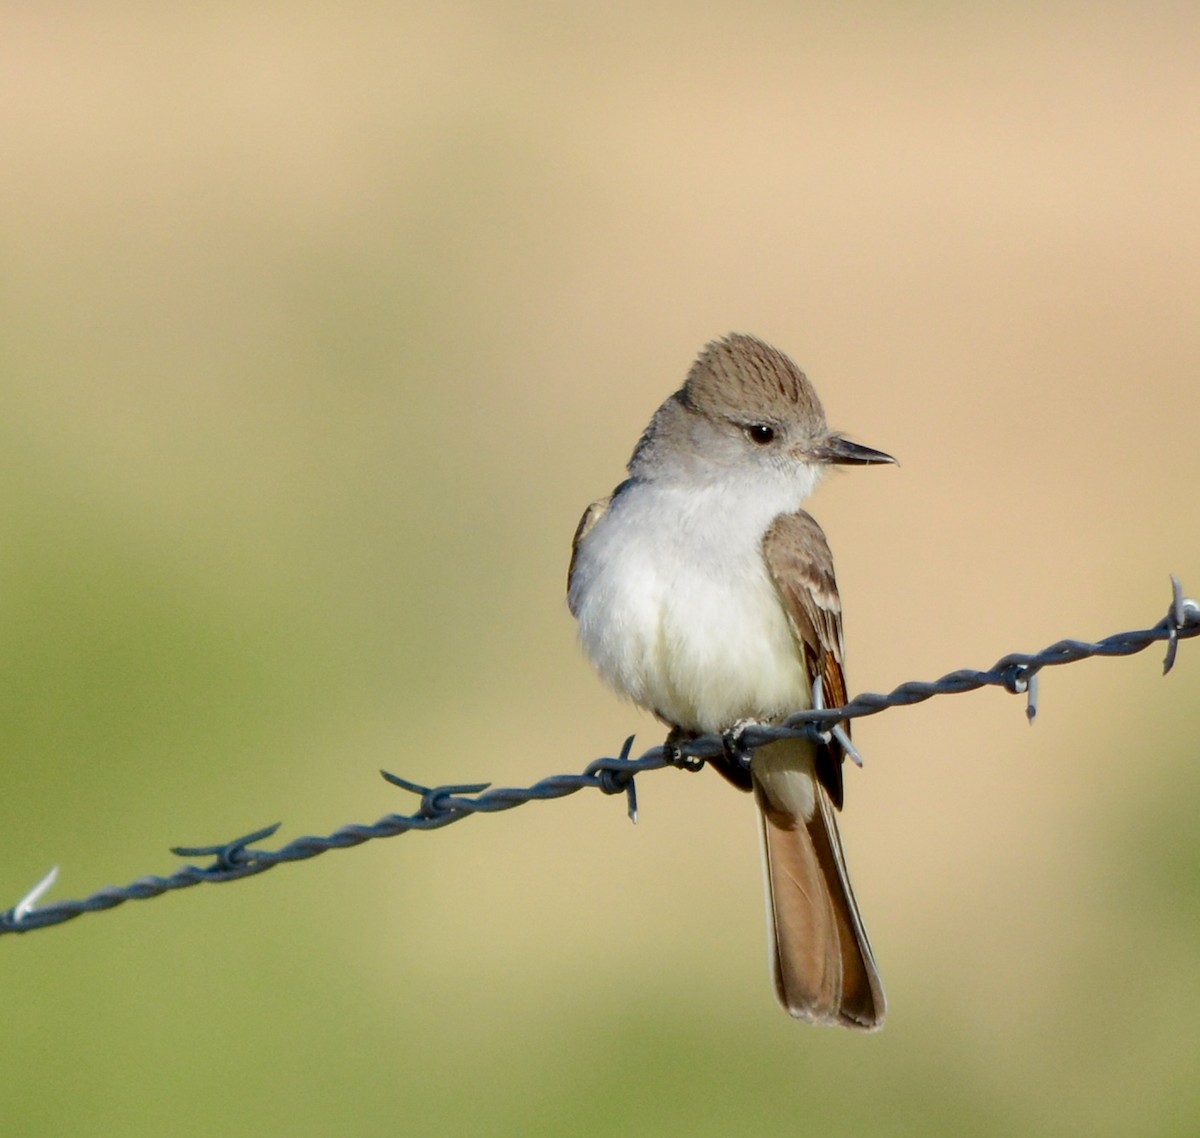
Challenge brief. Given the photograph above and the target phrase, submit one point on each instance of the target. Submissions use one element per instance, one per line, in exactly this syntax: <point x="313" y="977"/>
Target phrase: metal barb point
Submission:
<point x="843" y="736"/>
<point x="1177" y="599"/>
<point x="836" y="731"/>
<point x="228" y="854"/>
<point x="431" y="795"/>
<point x="1031" y="702"/>
<point x="28" y="903"/>
<point x="615" y="776"/>
<point x="403" y="783"/>
<point x="631" y="803"/>
<point x="1183" y="611"/>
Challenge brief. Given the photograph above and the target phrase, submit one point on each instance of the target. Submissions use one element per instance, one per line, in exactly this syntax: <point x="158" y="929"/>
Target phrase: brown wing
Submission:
<point x="801" y="566"/>
<point x="591" y="516"/>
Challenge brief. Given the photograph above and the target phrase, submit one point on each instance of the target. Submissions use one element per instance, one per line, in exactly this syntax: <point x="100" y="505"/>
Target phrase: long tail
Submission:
<point x="824" y="969"/>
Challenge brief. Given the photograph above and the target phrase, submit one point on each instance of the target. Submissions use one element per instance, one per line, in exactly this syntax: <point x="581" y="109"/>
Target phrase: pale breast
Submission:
<point x="677" y="612"/>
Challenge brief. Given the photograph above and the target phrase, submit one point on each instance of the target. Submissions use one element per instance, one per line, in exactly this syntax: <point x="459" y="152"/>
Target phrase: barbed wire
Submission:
<point x="440" y="806"/>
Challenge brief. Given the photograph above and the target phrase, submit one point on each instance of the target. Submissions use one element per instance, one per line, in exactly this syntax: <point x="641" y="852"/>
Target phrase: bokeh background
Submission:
<point x="320" y="327"/>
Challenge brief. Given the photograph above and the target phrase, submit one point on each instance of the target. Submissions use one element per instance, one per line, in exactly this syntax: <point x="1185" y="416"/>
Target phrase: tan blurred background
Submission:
<point x="319" y="331"/>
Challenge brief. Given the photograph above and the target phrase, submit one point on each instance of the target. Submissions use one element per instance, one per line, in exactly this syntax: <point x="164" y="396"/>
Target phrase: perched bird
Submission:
<point x="706" y="595"/>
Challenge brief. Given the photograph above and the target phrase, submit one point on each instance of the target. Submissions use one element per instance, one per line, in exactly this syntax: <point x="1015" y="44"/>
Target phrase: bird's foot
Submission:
<point x="673" y="751"/>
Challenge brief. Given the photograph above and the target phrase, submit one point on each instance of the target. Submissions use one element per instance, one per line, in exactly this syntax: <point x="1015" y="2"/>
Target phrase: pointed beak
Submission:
<point x="843" y="452"/>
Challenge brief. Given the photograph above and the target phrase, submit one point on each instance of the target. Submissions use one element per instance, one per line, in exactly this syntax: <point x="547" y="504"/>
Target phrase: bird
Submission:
<point x="706" y="595"/>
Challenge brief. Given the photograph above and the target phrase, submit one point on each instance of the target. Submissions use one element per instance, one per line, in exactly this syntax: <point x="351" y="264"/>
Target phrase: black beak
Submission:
<point x="843" y="452"/>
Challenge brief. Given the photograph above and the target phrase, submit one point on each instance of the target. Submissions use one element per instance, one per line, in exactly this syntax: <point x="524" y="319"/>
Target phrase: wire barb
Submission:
<point x="435" y="800"/>
<point x="229" y="855"/>
<point x="617" y="779"/>
<point x="1183" y="614"/>
<point x="28" y="903"/>
<point x="442" y="805"/>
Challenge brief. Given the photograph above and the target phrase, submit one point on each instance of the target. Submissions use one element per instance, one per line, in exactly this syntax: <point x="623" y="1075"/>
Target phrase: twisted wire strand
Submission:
<point x="440" y="806"/>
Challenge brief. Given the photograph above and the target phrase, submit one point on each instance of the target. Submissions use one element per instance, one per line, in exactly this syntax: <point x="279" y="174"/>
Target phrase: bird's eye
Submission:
<point x="760" y="433"/>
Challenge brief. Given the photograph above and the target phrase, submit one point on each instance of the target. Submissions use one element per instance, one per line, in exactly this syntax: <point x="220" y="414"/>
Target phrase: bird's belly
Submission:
<point x="701" y="645"/>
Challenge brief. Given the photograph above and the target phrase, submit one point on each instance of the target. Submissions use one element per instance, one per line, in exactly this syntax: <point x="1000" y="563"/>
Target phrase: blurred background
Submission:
<point x="320" y="328"/>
